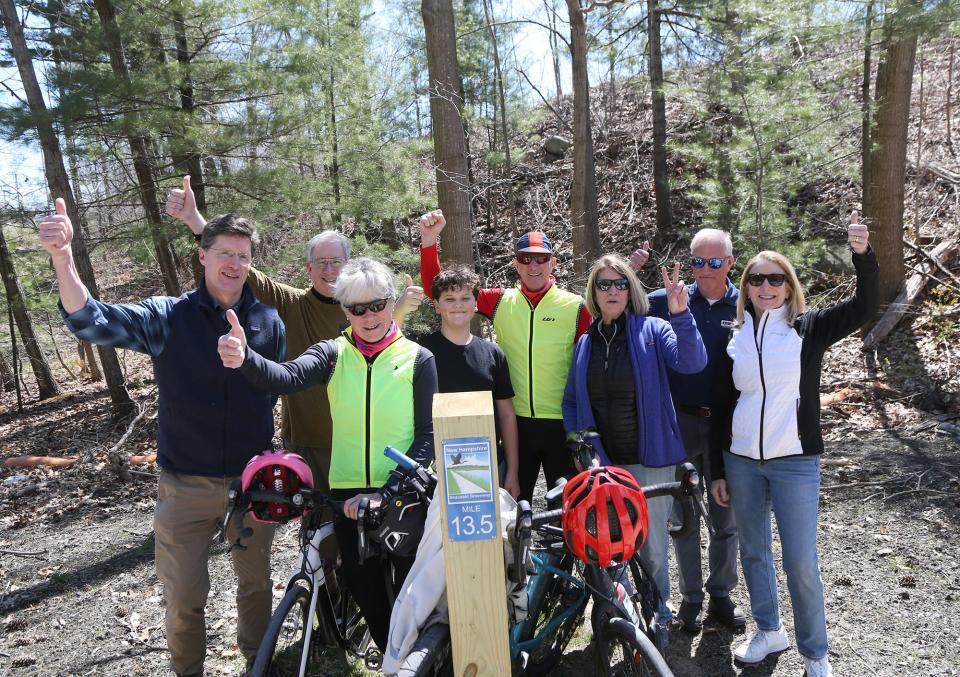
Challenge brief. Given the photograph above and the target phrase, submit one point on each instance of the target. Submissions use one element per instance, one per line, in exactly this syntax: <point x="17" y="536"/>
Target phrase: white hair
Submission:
<point x="325" y="237"/>
<point x="364" y="279"/>
<point x="705" y="235"/>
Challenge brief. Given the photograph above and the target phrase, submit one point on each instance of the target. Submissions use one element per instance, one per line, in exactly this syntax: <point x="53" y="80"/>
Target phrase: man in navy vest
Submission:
<point x="211" y="420"/>
<point x="713" y="302"/>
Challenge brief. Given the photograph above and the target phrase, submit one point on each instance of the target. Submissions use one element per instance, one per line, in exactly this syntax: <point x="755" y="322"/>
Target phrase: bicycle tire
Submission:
<point x="431" y="654"/>
<point x="623" y="650"/>
<point x="549" y="601"/>
<point x="282" y="647"/>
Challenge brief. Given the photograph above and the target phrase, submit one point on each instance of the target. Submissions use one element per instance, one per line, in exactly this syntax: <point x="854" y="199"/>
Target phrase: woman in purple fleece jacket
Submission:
<point x="618" y="385"/>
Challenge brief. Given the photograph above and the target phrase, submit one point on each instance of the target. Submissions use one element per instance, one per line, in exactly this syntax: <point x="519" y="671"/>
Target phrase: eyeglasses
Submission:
<point x="699" y="262"/>
<point x="360" y="309"/>
<point x="226" y="255"/>
<point x="336" y="264"/>
<point x="775" y="279"/>
<point x="621" y="283"/>
<point x="527" y="259"/>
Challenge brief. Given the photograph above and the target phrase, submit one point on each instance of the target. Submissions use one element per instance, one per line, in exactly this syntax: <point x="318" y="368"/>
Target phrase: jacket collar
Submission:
<point x="775" y="315"/>
<point x="730" y="297"/>
<point x="205" y="300"/>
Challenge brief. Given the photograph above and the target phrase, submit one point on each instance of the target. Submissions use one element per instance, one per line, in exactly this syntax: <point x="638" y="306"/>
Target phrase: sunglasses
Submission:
<point x="775" y="279"/>
<point x="700" y="262"/>
<point x="621" y="283"/>
<point x="360" y="309"/>
<point x="527" y="259"/>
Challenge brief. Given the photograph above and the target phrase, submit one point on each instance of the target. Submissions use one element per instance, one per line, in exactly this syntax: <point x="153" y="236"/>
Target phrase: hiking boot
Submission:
<point x="817" y="668"/>
<point x="723" y="610"/>
<point x="688" y="617"/>
<point x="761" y="644"/>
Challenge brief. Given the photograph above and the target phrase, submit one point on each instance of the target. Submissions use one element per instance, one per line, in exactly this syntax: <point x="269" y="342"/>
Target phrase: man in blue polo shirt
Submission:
<point x="211" y="420"/>
<point x="713" y="302"/>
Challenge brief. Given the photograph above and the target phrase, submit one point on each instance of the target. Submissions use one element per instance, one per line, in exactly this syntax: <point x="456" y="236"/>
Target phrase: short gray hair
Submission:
<point x="325" y="237"/>
<point x="364" y="279"/>
<point x="712" y="235"/>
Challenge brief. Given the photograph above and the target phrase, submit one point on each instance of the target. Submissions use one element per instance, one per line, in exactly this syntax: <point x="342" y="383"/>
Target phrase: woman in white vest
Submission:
<point x="768" y="444"/>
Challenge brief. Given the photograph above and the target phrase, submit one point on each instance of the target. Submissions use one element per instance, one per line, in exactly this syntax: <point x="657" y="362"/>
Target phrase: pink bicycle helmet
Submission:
<point x="277" y="471"/>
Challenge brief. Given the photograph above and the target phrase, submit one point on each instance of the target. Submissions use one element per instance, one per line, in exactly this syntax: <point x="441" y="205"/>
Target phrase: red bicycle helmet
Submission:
<point x="604" y="516"/>
<point x="276" y="471"/>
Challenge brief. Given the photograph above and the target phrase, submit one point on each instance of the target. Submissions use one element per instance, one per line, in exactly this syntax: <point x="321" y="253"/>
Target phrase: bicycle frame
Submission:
<point x="543" y="570"/>
<point x="310" y="567"/>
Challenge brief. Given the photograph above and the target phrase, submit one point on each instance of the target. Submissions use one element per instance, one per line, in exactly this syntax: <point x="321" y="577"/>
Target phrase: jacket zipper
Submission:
<point x="763" y="385"/>
<point x="367" y="423"/>
<point x="533" y="311"/>
<point x="606" y="364"/>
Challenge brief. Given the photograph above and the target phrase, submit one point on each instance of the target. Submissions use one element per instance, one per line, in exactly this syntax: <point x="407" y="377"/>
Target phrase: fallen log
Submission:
<point x="34" y="461"/>
<point x="942" y="255"/>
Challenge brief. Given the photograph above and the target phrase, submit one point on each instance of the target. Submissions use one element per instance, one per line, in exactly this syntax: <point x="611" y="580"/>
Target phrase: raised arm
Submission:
<point x="834" y="323"/>
<point x="680" y="342"/>
<point x="182" y="205"/>
<point x="56" y="236"/>
<point x="431" y="225"/>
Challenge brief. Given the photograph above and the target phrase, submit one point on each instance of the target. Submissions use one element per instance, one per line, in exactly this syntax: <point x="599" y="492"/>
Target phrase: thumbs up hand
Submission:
<point x="232" y="346"/>
<point x="182" y="205"/>
<point x="858" y="235"/>
<point x="639" y="257"/>
<point x="56" y="232"/>
<point x="410" y="299"/>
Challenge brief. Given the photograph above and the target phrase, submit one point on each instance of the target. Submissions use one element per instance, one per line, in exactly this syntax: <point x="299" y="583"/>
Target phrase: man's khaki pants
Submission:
<point x="185" y="521"/>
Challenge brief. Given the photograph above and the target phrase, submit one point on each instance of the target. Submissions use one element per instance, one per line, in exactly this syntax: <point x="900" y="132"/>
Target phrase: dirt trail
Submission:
<point x="90" y="604"/>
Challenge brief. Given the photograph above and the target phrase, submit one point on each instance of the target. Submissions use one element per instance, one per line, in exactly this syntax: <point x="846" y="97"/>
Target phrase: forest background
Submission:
<point x="606" y="124"/>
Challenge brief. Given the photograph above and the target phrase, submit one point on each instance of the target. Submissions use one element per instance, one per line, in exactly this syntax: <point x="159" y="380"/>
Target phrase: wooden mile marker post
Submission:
<point x="468" y="489"/>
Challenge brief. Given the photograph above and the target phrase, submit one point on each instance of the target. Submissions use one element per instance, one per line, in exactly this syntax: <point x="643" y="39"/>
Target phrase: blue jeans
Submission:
<point x="653" y="554"/>
<point x="791" y="488"/>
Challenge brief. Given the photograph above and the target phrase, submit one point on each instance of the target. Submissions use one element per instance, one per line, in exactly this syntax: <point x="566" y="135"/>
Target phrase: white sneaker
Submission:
<point x="761" y="644"/>
<point x="817" y="668"/>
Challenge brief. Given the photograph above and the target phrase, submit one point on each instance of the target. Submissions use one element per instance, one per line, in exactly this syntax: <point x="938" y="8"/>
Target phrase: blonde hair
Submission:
<point x="796" y="303"/>
<point x="638" y="297"/>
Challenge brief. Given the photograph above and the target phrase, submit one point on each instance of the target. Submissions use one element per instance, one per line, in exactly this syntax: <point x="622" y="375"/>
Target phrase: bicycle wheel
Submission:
<point x="283" y="645"/>
<point x="624" y="651"/>
<point x="430" y="655"/>
<point x="550" y="601"/>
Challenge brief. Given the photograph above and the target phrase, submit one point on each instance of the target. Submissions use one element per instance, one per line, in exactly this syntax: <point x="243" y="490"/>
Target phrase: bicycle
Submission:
<point x="558" y="587"/>
<point x="537" y="640"/>
<point x="317" y="612"/>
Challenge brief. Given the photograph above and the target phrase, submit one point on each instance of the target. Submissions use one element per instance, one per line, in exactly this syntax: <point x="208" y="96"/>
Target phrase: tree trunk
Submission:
<point x="449" y="140"/>
<point x="866" y="123"/>
<point x="46" y="384"/>
<point x="186" y="158"/>
<point x="661" y="173"/>
<point x="554" y="47"/>
<point x="90" y="367"/>
<point x="511" y="206"/>
<point x="139" y="149"/>
<point x="7" y="382"/>
<point x="889" y="157"/>
<point x="59" y="186"/>
<point x="584" y="219"/>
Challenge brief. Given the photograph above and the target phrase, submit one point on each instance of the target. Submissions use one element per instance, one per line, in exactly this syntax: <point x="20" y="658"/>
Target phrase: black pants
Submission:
<point x="367" y="582"/>
<point x="541" y="442"/>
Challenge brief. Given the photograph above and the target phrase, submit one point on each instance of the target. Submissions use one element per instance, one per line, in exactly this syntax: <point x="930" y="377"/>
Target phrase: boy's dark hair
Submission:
<point x="228" y="224"/>
<point x="458" y="277"/>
